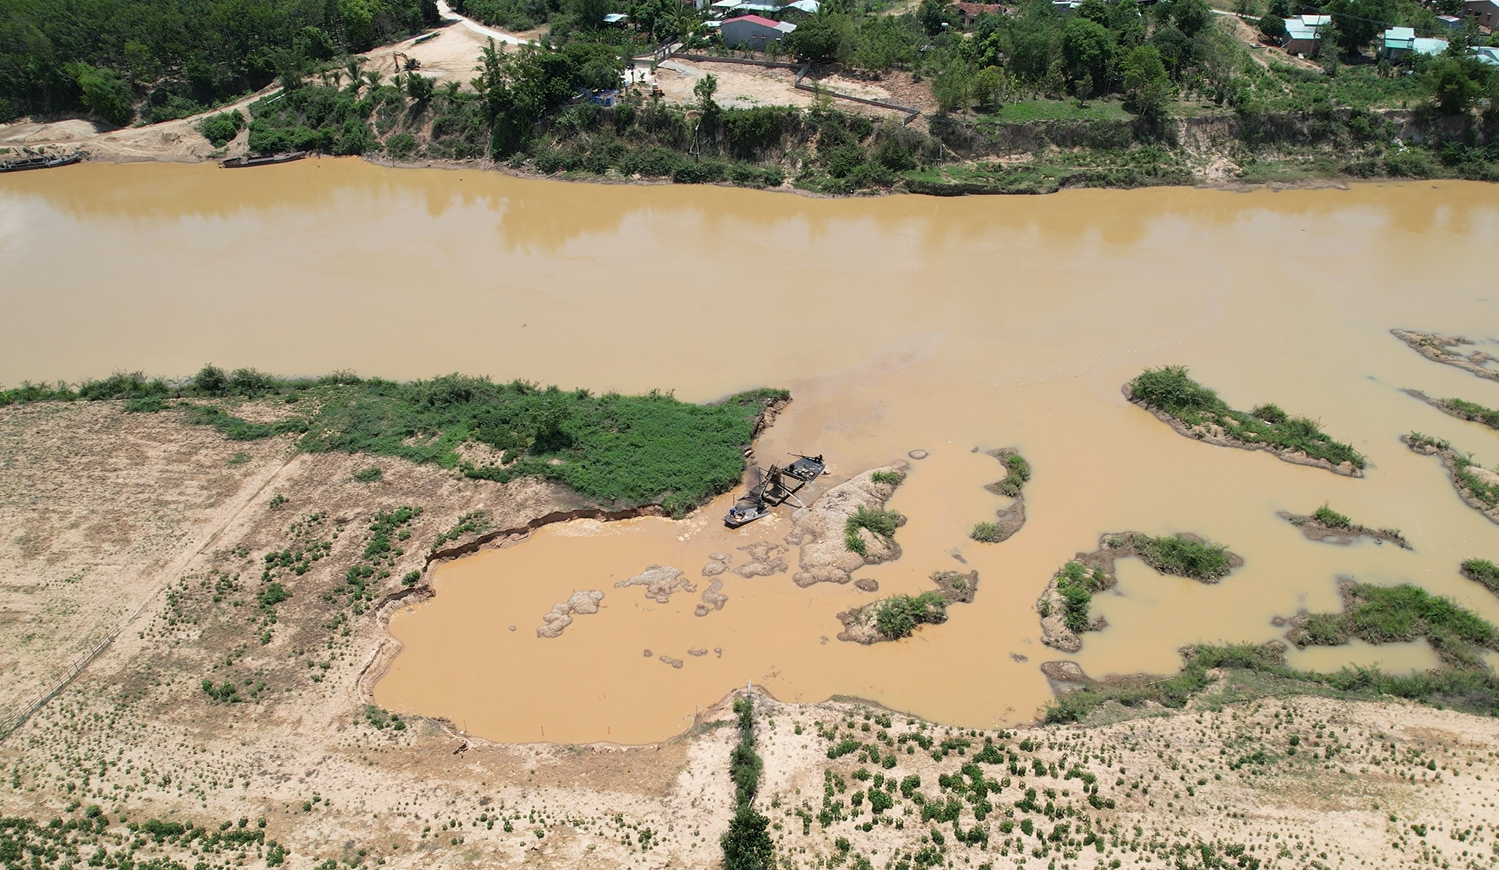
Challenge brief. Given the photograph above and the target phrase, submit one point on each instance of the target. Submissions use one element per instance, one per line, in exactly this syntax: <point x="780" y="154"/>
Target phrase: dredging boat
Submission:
<point x="43" y="162"/>
<point x="775" y="487"/>
<point x="268" y="160"/>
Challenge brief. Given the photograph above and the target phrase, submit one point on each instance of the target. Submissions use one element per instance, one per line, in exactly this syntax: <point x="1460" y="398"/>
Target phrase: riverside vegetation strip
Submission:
<point x="619" y="450"/>
<point x="1117" y="96"/>
<point x="1477" y="486"/>
<point x="1327" y="525"/>
<point x="1197" y="412"/>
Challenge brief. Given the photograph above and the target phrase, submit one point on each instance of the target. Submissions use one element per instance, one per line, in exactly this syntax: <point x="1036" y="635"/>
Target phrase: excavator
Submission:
<point x="411" y="64"/>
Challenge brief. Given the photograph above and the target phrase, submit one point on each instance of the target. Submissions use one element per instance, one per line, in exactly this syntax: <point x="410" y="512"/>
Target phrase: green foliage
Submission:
<point x="1474" y="412"/>
<point x="1455" y="82"/>
<point x="882" y="523"/>
<point x="893" y="478"/>
<point x="1076" y="585"/>
<point x="1482" y="571"/>
<point x="1183" y="556"/>
<point x="1403" y="613"/>
<point x="224" y="693"/>
<point x="104" y="92"/>
<point x="219" y="129"/>
<point x="1017" y="474"/>
<point x="1331" y="518"/>
<point x="315" y="118"/>
<point x="1170" y="390"/>
<point x="618" y="449"/>
<point x="987" y="533"/>
<point x="747" y="844"/>
<point x="897" y="616"/>
<point x="472" y="523"/>
<point x="1147" y="86"/>
<point x="371" y="474"/>
<point x="380" y="719"/>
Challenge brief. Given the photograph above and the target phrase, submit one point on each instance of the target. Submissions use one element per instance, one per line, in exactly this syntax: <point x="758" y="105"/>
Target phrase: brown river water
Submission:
<point x="898" y="323"/>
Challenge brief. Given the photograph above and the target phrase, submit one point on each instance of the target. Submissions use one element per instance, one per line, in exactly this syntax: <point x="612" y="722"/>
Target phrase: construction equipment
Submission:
<point x="777" y="486"/>
<point x="411" y="64"/>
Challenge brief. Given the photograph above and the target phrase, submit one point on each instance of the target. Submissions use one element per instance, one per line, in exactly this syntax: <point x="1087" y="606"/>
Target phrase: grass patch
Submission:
<point x="1184" y="556"/>
<point x="1484" y="572"/>
<point x="988" y="533"/>
<point x="1058" y="110"/>
<point x="1017" y="474"/>
<point x="1331" y="518"/>
<point x="1076" y="584"/>
<point x="1472" y="691"/>
<point x="626" y="450"/>
<point x="1474" y="412"/>
<point x="471" y="523"/>
<point x="881" y="523"/>
<point x="373" y="474"/>
<point x="1398" y="614"/>
<point x="899" y="615"/>
<point x="1170" y="390"/>
<point x="893" y="478"/>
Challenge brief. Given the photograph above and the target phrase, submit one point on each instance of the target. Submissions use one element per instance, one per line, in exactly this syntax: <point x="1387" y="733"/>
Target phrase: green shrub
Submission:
<point x="1018" y="473"/>
<point x="221" y="128"/>
<point x="1482" y="571"/>
<point x="402" y="145"/>
<point x="893" y="478"/>
<point x="1331" y="518"/>
<point x="1400" y="614"/>
<point x="1183" y="556"/>
<point x="897" y="616"/>
<point x="1474" y="412"/>
<point x="1076" y="585"/>
<point x="988" y="533"/>
<point x="371" y="474"/>
<point x="882" y="523"/>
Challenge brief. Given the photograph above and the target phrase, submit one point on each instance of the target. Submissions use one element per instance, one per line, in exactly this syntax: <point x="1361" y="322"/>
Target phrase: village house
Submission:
<point x="1398" y="42"/>
<point x="1485" y="12"/>
<point x="754" y="32"/>
<point x="968" y="13"/>
<point x="1304" y="34"/>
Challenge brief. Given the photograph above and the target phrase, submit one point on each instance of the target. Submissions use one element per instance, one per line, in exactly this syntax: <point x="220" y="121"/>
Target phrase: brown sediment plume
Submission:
<point x="861" y="625"/>
<point x="1472" y="481"/>
<point x="1211" y="433"/>
<point x="1316" y="530"/>
<point x="1100" y="566"/>
<point x="560" y="616"/>
<point x="819" y="530"/>
<point x="660" y="581"/>
<point x="1436" y="347"/>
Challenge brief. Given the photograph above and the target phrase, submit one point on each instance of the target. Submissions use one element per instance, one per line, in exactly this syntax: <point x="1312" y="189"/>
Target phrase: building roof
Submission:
<point x="1450" y="21"/>
<point x="977" y="9"/>
<point x="808" y="6"/>
<point x="615" y="18"/>
<point x="1400" y="37"/>
<point x="1486" y="54"/>
<point x="1429" y="45"/>
<point x="783" y="26"/>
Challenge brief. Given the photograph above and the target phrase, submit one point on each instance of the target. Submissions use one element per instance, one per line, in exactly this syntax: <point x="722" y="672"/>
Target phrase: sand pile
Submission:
<point x="819" y="530"/>
<point x="560" y="616"/>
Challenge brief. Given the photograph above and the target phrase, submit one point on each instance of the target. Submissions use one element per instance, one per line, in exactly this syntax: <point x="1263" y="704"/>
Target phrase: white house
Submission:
<point x="1304" y="34"/>
<point x="754" y="32"/>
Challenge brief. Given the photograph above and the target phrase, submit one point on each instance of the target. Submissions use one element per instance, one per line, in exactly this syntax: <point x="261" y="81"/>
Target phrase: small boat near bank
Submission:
<point x="43" y="162"/>
<point x="777" y="486"/>
<point x="268" y="160"/>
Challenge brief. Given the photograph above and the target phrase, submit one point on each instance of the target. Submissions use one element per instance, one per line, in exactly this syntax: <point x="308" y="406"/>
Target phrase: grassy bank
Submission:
<point x="1400" y="614"/>
<point x="1170" y="391"/>
<point x="1249" y="670"/>
<point x="624" y="450"/>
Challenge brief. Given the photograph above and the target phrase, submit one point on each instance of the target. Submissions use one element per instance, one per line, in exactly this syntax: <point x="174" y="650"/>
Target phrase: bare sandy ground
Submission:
<point x="128" y="505"/>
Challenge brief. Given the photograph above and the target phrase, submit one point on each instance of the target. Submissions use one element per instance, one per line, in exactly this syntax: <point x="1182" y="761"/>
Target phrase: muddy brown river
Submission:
<point x="898" y="323"/>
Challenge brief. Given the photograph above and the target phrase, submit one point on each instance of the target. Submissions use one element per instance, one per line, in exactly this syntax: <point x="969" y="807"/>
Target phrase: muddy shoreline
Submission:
<point x="1342" y="536"/>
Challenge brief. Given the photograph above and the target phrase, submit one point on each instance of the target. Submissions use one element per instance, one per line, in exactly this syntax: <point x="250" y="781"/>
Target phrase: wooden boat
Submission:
<point x="807" y="468"/>
<point x="268" y="160"/>
<point x="778" y="486"/>
<point x="41" y="162"/>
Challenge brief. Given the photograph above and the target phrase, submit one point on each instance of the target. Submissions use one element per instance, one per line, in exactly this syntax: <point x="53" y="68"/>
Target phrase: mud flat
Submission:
<point x="1064" y="604"/>
<point x="1342" y="533"/>
<point x="1011" y="519"/>
<point x="1477" y="486"/>
<point x="1440" y="348"/>
<point x="833" y="544"/>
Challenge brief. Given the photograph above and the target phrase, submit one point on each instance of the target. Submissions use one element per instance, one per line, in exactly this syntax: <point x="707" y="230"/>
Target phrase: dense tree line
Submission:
<point x="176" y="56"/>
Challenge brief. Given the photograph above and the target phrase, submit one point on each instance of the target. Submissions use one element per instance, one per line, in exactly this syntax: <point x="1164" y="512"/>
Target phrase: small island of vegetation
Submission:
<point x="1399" y="614"/>
<point x="1328" y="526"/>
<point x="1197" y="412"/>
<point x="1064" y="606"/>
<point x="1009" y="520"/>
<point x="1477" y="486"/>
<point x="897" y="616"/>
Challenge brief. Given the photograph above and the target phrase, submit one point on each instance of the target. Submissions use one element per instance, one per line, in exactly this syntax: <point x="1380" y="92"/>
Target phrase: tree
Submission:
<point x="814" y="40"/>
<point x="358" y="21"/>
<point x="1357" y="22"/>
<point x="1274" y="27"/>
<point x="953" y="87"/>
<point x="590" y="13"/>
<point x="1147" y="87"/>
<point x="1087" y="49"/>
<point x="1456" y="81"/>
<point x="704" y="90"/>
<point x="934" y="15"/>
<point x="419" y="88"/>
<point x="1191" y="15"/>
<point x="747" y="844"/>
<point x="988" y="84"/>
<point x="104" y="92"/>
